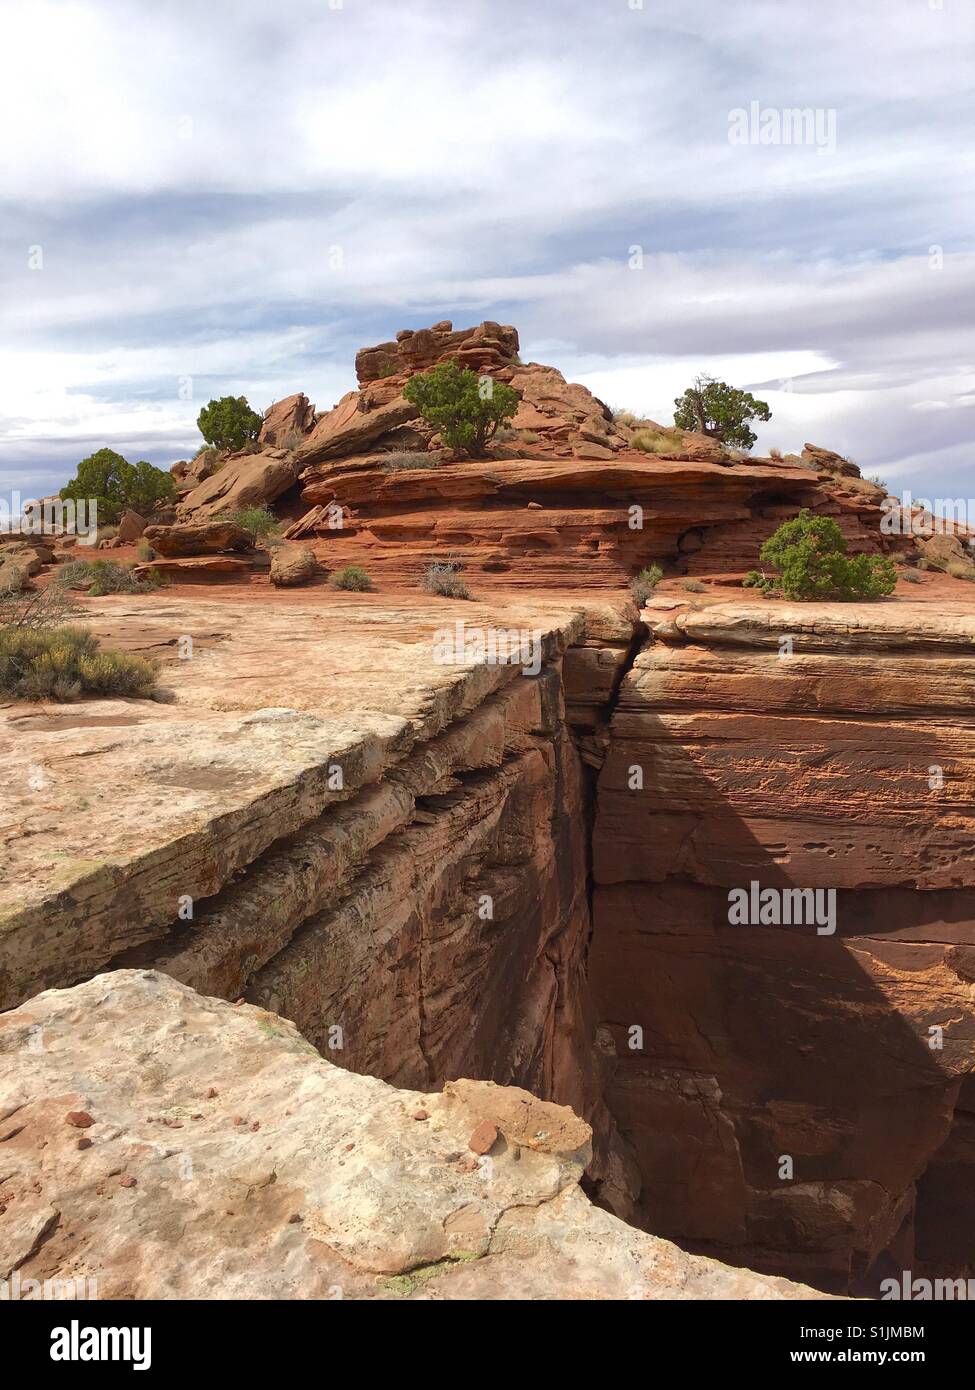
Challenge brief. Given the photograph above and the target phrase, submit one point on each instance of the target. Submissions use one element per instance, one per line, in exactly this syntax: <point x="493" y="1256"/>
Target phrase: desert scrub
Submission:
<point x="65" y="663"/>
<point x="52" y="606"/>
<point x="97" y="577"/>
<point x="144" y="552"/>
<point x="644" y="584"/>
<point x="404" y="459"/>
<point x="911" y="576"/>
<point x="352" y="578"/>
<point x="695" y="586"/>
<point x="258" y="522"/>
<point x="658" y="441"/>
<point x="442" y="578"/>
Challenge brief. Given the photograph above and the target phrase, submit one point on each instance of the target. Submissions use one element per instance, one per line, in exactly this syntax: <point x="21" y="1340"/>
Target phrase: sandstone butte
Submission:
<point x="344" y="970"/>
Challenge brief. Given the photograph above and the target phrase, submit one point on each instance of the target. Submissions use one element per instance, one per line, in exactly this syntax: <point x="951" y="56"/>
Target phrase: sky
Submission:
<point x="232" y="197"/>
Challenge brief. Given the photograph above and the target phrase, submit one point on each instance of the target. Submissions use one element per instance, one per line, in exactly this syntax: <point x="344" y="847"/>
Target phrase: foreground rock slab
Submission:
<point x="166" y="1145"/>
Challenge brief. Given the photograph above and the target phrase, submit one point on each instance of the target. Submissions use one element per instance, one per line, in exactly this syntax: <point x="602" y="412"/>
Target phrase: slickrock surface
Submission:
<point x="848" y="764"/>
<point x="270" y="723"/>
<point x="225" y="1159"/>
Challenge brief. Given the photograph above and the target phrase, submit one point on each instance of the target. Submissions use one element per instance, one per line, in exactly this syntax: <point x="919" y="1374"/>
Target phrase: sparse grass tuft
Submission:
<point x="442" y="578"/>
<point x="97" y="577"/>
<point x="352" y="578"/>
<point x="258" y="522"/>
<point x="695" y="586"/>
<point x="910" y="576"/>
<point x="405" y="459"/>
<point x="658" y="441"/>
<point x="644" y="584"/>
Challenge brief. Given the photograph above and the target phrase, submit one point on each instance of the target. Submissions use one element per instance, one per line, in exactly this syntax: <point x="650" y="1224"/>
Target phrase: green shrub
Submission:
<point x="644" y="584"/>
<point x="442" y="578"/>
<point x="107" y="479"/>
<point x="97" y="577"/>
<point x="466" y="409"/>
<point x="258" y="522"/>
<point x="810" y="554"/>
<point x="65" y="663"/>
<point x="229" y="423"/>
<point x="353" y="578"/>
<point x="405" y="459"/>
<point x="721" y="411"/>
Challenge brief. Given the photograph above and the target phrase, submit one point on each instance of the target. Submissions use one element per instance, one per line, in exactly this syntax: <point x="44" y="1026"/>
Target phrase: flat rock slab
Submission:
<point x="221" y="1157"/>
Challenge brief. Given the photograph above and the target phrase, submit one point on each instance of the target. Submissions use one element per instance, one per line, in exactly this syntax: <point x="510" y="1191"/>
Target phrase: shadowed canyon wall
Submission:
<point x="793" y="1098"/>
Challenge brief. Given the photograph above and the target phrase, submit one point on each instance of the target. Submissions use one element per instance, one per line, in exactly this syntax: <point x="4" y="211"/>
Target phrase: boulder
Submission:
<point x="200" y="538"/>
<point x="826" y="460"/>
<point x="353" y="425"/>
<point x="293" y="414"/>
<point x="131" y="527"/>
<point x="944" y="551"/>
<point x="19" y="560"/>
<point x="244" y="480"/>
<point x="292" y="564"/>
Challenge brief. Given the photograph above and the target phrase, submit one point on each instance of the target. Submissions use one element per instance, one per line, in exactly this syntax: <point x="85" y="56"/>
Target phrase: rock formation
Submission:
<point x="482" y="851"/>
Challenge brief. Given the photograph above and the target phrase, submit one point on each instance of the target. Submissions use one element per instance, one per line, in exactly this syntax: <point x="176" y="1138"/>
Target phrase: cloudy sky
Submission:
<point x="231" y="197"/>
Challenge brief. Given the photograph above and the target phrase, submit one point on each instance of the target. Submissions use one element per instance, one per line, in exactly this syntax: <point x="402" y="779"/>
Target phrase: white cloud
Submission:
<point x="188" y="170"/>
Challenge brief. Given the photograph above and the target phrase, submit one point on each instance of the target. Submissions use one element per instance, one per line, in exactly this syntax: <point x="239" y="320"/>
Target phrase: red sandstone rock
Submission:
<point x="286" y="419"/>
<point x="131" y="526"/>
<point x="244" y="480"/>
<point x="197" y="538"/>
<point x="291" y="565"/>
<point x="79" y="1118"/>
<point x="483" y="1138"/>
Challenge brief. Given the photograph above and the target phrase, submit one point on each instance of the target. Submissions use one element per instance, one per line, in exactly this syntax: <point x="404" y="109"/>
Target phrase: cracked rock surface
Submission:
<point x="225" y="1158"/>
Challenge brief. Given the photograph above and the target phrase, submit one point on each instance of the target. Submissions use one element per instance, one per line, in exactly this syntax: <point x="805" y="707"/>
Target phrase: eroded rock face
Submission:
<point x="244" y="480"/>
<point x="490" y="345"/>
<point x="219" y="1157"/>
<point x="199" y="538"/>
<point x="837" y="763"/>
<point x="287" y="419"/>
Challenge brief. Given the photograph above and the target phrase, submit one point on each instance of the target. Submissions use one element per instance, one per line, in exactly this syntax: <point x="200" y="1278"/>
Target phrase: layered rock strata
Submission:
<point x="790" y="1092"/>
